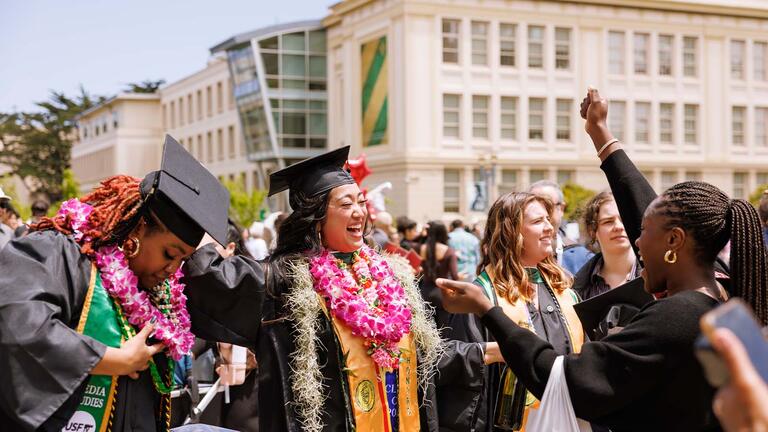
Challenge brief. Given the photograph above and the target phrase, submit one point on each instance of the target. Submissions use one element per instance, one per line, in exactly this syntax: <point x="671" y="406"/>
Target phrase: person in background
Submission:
<point x="467" y="248"/>
<point x="409" y="232"/>
<point x="39" y="210"/>
<point x="438" y="260"/>
<point x="13" y="218"/>
<point x="256" y="245"/>
<point x="762" y="210"/>
<point x="6" y="234"/>
<point x="381" y="229"/>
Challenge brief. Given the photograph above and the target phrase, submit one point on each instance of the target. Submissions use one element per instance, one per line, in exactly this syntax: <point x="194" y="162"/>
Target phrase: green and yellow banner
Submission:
<point x="375" y="91"/>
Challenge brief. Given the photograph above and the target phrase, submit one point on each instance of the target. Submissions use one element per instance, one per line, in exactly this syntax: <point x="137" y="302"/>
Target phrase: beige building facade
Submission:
<point x="482" y="98"/>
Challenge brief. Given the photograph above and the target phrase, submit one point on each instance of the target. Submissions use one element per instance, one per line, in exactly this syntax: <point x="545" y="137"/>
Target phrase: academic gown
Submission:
<point x="44" y="362"/>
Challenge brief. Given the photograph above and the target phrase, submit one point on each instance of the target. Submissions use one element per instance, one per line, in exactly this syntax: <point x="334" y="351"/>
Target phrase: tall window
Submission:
<point x="209" y="147"/>
<point x="739" y="185"/>
<point x="617" y="115"/>
<point x="666" y="43"/>
<point x="562" y="48"/>
<point x="231" y="142"/>
<point x="761" y="127"/>
<point x="760" y="57"/>
<point x="564" y="109"/>
<point x="642" y="121"/>
<point x="451" y="35"/>
<point x="480" y="116"/>
<point x="479" y="43"/>
<point x="190" y="109"/>
<point x="507" y="44"/>
<point x="616" y="52"/>
<point x="173" y="114"/>
<point x="536" y="47"/>
<point x="199" y="104"/>
<point x="209" y="101"/>
<point x="451" y="190"/>
<point x="738" y="114"/>
<point x="738" y="53"/>
<point x="508" y="118"/>
<point x="220" y="143"/>
<point x="564" y="176"/>
<point x="537" y="175"/>
<point x="536" y="119"/>
<point x="181" y="111"/>
<point x="691" y="123"/>
<point x="693" y="176"/>
<point x="668" y="179"/>
<point x="451" y="115"/>
<point x="666" y="123"/>
<point x="509" y="178"/>
<point x="200" y="148"/>
<point x="219" y="97"/>
<point x="642" y="42"/>
<point x="689" y="56"/>
<point x="761" y="178"/>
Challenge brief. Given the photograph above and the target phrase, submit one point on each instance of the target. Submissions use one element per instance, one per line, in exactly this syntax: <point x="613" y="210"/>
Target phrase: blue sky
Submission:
<point x="60" y="44"/>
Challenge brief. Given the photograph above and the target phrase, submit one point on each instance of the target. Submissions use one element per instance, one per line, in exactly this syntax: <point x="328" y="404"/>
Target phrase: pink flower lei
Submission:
<point x="122" y="285"/>
<point x="368" y="299"/>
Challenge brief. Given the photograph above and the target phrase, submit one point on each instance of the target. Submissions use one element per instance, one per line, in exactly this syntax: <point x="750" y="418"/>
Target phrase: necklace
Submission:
<point x="367" y="297"/>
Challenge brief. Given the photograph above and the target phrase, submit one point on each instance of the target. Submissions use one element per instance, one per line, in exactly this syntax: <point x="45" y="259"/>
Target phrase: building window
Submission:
<point x="480" y="116"/>
<point x="738" y="115"/>
<point x="616" y="52"/>
<point x="451" y="190"/>
<point x="181" y="111"/>
<point x="562" y="48"/>
<point x="762" y="178"/>
<point x="199" y="104"/>
<point x="537" y="175"/>
<point x="760" y="56"/>
<point x="666" y="43"/>
<point x="115" y="120"/>
<point x="507" y="44"/>
<point x="479" y="43"/>
<point x="689" y="56"/>
<point x="508" y="181"/>
<point x="564" y="176"/>
<point x="190" y="110"/>
<point x="173" y="114"/>
<point x="209" y="147"/>
<point x="536" y="119"/>
<point x="536" y="47"/>
<point x="200" y="148"/>
<point x="666" y="123"/>
<point x="219" y="97"/>
<point x="738" y="49"/>
<point x="642" y="121"/>
<point x="508" y="118"/>
<point x="564" y="109"/>
<point x="220" y="143"/>
<point x="209" y="101"/>
<point x="231" y="142"/>
<point x="691" y="123"/>
<point x="642" y="42"/>
<point x="617" y="115"/>
<point x="451" y="115"/>
<point x="739" y="185"/>
<point x="761" y="127"/>
<point x="693" y="176"/>
<point x="668" y="179"/>
<point x="451" y="35"/>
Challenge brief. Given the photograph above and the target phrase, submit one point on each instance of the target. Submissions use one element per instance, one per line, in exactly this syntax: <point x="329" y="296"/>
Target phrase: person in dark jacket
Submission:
<point x="646" y="376"/>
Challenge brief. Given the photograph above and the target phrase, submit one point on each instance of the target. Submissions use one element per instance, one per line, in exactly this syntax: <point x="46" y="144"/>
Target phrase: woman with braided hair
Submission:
<point x="92" y="312"/>
<point x="646" y="376"/>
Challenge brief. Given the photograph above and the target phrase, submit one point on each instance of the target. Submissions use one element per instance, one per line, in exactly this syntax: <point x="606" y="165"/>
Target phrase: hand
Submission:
<point x="137" y="353"/>
<point x="492" y="353"/>
<point x="463" y="297"/>
<point x="742" y="404"/>
<point x="594" y="109"/>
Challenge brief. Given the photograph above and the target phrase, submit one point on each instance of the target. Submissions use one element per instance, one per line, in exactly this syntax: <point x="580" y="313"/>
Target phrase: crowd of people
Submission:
<point x="369" y="322"/>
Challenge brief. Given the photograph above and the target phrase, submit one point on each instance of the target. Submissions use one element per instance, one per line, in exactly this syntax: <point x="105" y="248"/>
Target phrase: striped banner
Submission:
<point x="375" y="91"/>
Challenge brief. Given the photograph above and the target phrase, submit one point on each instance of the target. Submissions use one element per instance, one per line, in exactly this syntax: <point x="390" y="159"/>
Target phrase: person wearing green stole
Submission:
<point x="92" y="312"/>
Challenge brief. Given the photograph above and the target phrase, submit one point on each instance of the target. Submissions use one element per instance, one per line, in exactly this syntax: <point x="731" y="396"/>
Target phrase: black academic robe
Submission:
<point x="232" y="293"/>
<point x="44" y="362"/>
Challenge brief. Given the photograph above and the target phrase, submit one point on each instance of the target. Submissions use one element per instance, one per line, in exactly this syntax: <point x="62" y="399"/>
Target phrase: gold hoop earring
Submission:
<point x="670" y="257"/>
<point x="131" y="251"/>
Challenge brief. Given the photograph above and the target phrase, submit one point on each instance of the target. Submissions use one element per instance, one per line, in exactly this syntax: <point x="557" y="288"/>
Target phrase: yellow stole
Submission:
<point x="367" y="381"/>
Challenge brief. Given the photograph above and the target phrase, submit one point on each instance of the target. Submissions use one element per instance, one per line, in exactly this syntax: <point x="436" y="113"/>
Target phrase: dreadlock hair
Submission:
<point x="502" y="248"/>
<point x="711" y="218"/>
<point x="117" y="210"/>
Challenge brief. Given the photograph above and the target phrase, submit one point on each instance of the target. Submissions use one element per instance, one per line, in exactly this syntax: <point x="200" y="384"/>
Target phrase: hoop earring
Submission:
<point x="670" y="259"/>
<point x="131" y="251"/>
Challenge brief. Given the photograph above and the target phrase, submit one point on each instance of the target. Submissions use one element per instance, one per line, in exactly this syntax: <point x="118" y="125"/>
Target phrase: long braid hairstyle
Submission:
<point x="117" y="209"/>
<point x="711" y="218"/>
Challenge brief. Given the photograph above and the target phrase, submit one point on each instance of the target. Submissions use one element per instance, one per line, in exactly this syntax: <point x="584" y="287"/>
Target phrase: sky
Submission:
<point x="103" y="45"/>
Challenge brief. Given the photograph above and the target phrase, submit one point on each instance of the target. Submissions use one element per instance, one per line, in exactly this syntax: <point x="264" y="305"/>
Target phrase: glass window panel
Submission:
<point x="536" y="47"/>
<point x="270" y="63"/>
<point x="507" y="44"/>
<point x="761" y="127"/>
<point x="318" y="124"/>
<point x="562" y="48"/>
<point x="270" y="43"/>
<point x="642" y="42"/>
<point x="666" y="123"/>
<point x="616" y="52"/>
<point x="666" y="43"/>
<point x="760" y="57"/>
<point x="294" y="104"/>
<point x="451" y="115"/>
<point x="317" y="66"/>
<point x="738" y="51"/>
<point x="294" y="142"/>
<point x="294" y="123"/>
<point x="690" y="123"/>
<point x="508" y="117"/>
<point x="738" y="115"/>
<point x="617" y="115"/>
<point x="479" y="43"/>
<point x="317" y="41"/>
<point x="480" y="116"/>
<point x="642" y="121"/>
<point x="294" y="65"/>
<point x="536" y="119"/>
<point x="293" y="41"/>
<point x="294" y="84"/>
<point x="689" y="56"/>
<point x="564" y="109"/>
<point x="451" y="34"/>
<point x="317" y="105"/>
<point x="317" y="142"/>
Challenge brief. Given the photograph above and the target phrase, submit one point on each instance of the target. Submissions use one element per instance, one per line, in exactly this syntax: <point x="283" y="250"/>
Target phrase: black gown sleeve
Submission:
<point x="632" y="192"/>
<point x="43" y="360"/>
<point x="225" y="297"/>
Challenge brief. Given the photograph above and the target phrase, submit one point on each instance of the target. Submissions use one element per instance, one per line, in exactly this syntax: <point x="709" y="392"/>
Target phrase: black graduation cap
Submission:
<point x="630" y="297"/>
<point x="187" y="198"/>
<point x="313" y="176"/>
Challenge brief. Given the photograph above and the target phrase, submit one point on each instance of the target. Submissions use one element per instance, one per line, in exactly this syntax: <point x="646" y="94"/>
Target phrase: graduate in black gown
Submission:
<point x="101" y="274"/>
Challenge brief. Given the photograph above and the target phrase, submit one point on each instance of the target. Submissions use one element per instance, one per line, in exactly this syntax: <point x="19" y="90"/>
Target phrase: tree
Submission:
<point x="244" y="207"/>
<point x="36" y="146"/>
<point x="146" y="86"/>
<point x="576" y="197"/>
<point x="754" y="197"/>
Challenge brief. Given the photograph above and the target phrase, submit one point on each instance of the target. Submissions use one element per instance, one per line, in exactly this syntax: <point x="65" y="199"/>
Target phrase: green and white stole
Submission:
<point x="99" y="321"/>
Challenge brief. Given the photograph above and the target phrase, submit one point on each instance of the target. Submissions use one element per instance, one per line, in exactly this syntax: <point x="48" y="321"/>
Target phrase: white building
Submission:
<point x="488" y="91"/>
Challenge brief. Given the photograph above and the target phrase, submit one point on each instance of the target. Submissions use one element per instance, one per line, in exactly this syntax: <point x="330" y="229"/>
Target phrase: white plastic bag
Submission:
<point x="555" y="413"/>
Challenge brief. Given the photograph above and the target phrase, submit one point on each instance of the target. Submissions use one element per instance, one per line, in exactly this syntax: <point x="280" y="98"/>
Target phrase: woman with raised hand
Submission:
<point x="646" y="376"/>
<point x="92" y="309"/>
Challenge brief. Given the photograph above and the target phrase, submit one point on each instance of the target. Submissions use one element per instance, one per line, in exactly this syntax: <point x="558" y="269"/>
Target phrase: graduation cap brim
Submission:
<point x="593" y="310"/>
<point x="186" y="197"/>
<point x="313" y="176"/>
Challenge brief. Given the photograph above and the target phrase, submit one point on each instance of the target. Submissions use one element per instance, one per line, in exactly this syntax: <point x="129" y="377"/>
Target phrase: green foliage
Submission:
<point x="576" y="196"/>
<point x="244" y="207"/>
<point x="146" y="86"/>
<point x="754" y="197"/>
<point x="9" y="187"/>
<point x="70" y="188"/>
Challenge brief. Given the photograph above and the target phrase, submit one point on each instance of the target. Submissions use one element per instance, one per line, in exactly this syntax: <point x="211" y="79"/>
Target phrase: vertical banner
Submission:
<point x="375" y="91"/>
